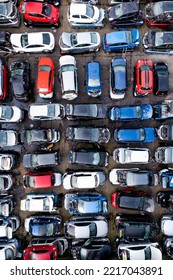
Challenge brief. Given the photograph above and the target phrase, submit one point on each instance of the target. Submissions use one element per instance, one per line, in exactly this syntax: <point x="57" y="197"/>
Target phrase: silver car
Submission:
<point x="9" y="14"/>
<point x="85" y="16"/>
<point x="79" y="42"/>
<point x="164" y="155"/>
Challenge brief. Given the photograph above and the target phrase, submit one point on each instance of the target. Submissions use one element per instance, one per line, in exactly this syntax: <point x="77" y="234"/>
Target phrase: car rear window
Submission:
<point x="46" y="39"/>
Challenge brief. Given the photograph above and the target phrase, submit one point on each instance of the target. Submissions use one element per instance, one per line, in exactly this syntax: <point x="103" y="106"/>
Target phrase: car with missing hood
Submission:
<point x="131" y="113"/>
<point x="79" y="42"/>
<point x="165" y="132"/>
<point x="9" y="14"/>
<point x="131" y="227"/>
<point x="158" y="42"/>
<point x="5" y="46"/>
<point x="44" y="226"/>
<point x="8" y="161"/>
<point x="8" y="225"/>
<point x="167" y="224"/>
<point x="85" y="16"/>
<point x="164" y="155"/>
<point x="131" y="155"/>
<point x="165" y="200"/>
<point x="40" y="202"/>
<point x="125" y="14"/>
<point x="85" y="203"/>
<point x="6" y="182"/>
<point x="133" y="177"/>
<point x="86" y="227"/>
<point x="117" y="41"/>
<point x="85" y="111"/>
<point x="140" y="251"/>
<point x="83" y="179"/>
<point x="91" y="249"/>
<point x="92" y="134"/>
<point x="20" y="79"/>
<point x="88" y="157"/>
<point x="159" y="14"/>
<point x="135" y="135"/>
<point x="10" y="249"/>
<point x="44" y="135"/>
<point x="166" y="178"/>
<point x="163" y="111"/>
<point x="133" y="200"/>
<point x="7" y="204"/>
<point x="33" y="42"/>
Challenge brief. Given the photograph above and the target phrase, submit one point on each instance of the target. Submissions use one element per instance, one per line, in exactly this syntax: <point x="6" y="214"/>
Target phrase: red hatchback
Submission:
<point x="42" y="180"/>
<point x="39" y="14"/>
<point x="45" y="77"/>
<point x="41" y="252"/>
<point x="144" y="77"/>
<point x="3" y="80"/>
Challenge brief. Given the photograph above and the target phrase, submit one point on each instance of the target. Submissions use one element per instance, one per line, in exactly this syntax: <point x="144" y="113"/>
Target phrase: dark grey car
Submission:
<point x="9" y="15"/>
<point x="37" y="160"/>
<point x="85" y="111"/>
<point x="45" y="135"/>
<point x="88" y="157"/>
<point x="93" y="134"/>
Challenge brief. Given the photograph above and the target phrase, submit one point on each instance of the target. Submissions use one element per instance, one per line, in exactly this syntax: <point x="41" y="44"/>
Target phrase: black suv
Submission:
<point x="161" y="78"/>
<point x="135" y="227"/>
<point x="125" y="14"/>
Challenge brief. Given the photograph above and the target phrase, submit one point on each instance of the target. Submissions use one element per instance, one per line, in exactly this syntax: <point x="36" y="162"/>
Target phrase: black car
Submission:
<point x="168" y="246"/>
<point x="5" y="45"/>
<point x="135" y="227"/>
<point x="44" y="135"/>
<point x="20" y="79"/>
<point x="88" y="157"/>
<point x="100" y="135"/>
<point x="92" y="249"/>
<point x="158" y="42"/>
<point x="38" y="160"/>
<point x="165" y="199"/>
<point x="125" y="14"/>
<point x="85" y="111"/>
<point x="161" y="78"/>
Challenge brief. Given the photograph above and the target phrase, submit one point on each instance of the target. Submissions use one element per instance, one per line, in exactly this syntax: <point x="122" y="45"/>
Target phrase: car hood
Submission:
<point x="156" y="254"/>
<point x="167" y="227"/>
<point x="66" y="38"/>
<point x="15" y="39"/>
<point x="147" y="111"/>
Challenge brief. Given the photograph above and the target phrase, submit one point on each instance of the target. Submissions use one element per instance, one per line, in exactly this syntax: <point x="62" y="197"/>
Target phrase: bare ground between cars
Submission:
<point x="65" y="145"/>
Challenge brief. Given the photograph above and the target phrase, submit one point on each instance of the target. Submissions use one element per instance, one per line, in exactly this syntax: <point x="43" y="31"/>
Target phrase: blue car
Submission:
<point x="93" y="78"/>
<point x="86" y="203"/>
<point x="120" y="40"/>
<point x="135" y="135"/>
<point x="166" y="178"/>
<point x="131" y="113"/>
<point x="118" y="78"/>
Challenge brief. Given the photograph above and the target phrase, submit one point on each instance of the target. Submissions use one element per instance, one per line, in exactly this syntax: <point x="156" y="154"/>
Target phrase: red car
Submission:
<point x="144" y="77"/>
<point x="132" y="200"/>
<point x="159" y="14"/>
<point x="39" y="14"/>
<point x="3" y="80"/>
<point x="42" y="180"/>
<point x="41" y="252"/>
<point x="45" y="77"/>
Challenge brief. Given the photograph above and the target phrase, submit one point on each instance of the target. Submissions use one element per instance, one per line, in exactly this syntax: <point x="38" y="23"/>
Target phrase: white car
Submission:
<point x="39" y="202"/>
<point x="6" y="182"/>
<point x="83" y="180"/>
<point x="46" y="112"/>
<point x="164" y="155"/>
<point x="11" y="114"/>
<point x="79" y="42"/>
<point x="8" y="225"/>
<point x="167" y="224"/>
<point x="86" y="227"/>
<point x="139" y="251"/>
<point x="8" y="138"/>
<point x="131" y="155"/>
<point x="7" y="161"/>
<point x="33" y="42"/>
<point x="85" y="16"/>
<point x="68" y="77"/>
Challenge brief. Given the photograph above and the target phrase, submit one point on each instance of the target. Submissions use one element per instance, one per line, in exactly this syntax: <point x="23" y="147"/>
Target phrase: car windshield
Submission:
<point x="3" y="10"/>
<point x="44" y="68"/>
<point x="47" y="10"/>
<point x="3" y="138"/>
<point x="96" y="158"/>
<point x="17" y="72"/>
<point x="89" y="11"/>
<point x="31" y="181"/>
<point x="6" y="112"/>
<point x="35" y="160"/>
<point x="147" y="252"/>
<point x="93" y="230"/>
<point x="128" y="36"/>
<point x="46" y="38"/>
<point x="93" y="38"/>
<point x="24" y="40"/>
<point x="74" y="39"/>
<point x="131" y="202"/>
<point x="51" y="110"/>
<point x="66" y="68"/>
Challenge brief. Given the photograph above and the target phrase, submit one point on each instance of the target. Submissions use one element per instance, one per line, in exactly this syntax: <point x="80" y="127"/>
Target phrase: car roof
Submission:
<point x="128" y="111"/>
<point x="163" y="38"/>
<point x="130" y="134"/>
<point x="134" y="178"/>
<point x="87" y="133"/>
<point x="42" y="181"/>
<point x="127" y="201"/>
<point x="85" y="110"/>
<point x="162" y="7"/>
<point x="93" y="68"/>
<point x="79" y="9"/>
<point x="117" y="37"/>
